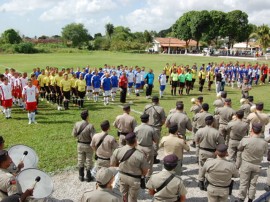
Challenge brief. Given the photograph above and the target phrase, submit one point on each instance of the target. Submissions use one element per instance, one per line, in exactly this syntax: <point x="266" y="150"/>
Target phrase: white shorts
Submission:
<point x="107" y="93"/>
<point x="89" y="88"/>
<point x="114" y="89"/>
<point x="96" y="90"/>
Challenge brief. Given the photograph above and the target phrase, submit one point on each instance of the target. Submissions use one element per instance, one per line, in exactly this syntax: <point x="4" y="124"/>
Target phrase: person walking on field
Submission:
<point x="149" y="81"/>
<point x="123" y="83"/>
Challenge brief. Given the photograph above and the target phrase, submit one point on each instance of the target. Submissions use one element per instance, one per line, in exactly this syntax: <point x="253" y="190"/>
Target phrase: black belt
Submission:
<point x="145" y="145"/>
<point x="234" y="139"/>
<point x="130" y="175"/>
<point x="122" y="133"/>
<point x="207" y="149"/>
<point x="84" y="142"/>
<point x="219" y="186"/>
<point x="107" y="159"/>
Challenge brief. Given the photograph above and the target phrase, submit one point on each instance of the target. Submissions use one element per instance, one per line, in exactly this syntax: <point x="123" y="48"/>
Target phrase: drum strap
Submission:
<point x="3" y="192"/>
<point x="82" y="128"/>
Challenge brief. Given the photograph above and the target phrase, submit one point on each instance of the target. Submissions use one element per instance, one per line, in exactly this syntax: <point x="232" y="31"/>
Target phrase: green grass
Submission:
<point x="51" y="137"/>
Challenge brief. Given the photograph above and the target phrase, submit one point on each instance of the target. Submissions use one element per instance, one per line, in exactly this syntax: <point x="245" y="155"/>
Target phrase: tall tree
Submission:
<point x="11" y="36"/>
<point x="109" y="30"/>
<point x="76" y="33"/>
<point x="263" y="36"/>
<point x="147" y="37"/>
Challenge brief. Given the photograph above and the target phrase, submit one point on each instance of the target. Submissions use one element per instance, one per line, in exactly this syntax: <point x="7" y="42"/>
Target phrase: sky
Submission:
<point x="48" y="17"/>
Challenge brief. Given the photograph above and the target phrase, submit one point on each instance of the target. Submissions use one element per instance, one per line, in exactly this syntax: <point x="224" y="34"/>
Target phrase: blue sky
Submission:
<point x="47" y="17"/>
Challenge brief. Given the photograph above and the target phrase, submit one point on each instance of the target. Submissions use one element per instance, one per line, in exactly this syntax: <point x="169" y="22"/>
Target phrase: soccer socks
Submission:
<point x="8" y="112"/>
<point x="33" y="115"/>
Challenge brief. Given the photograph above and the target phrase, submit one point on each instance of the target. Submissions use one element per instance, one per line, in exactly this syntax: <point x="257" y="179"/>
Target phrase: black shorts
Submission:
<point x="66" y="95"/>
<point x="74" y="92"/>
<point x="188" y="83"/>
<point x="47" y="89"/>
<point x="81" y="94"/>
<point x="174" y="84"/>
<point x="181" y="84"/>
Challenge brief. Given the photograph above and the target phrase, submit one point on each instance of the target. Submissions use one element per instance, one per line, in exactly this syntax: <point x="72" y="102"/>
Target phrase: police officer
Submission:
<point x="146" y="136"/>
<point x="174" y="189"/>
<point x="218" y="174"/>
<point x="220" y="101"/>
<point x="174" y="109"/>
<point x="253" y="149"/>
<point x="132" y="167"/>
<point x="259" y="117"/>
<point x="199" y="118"/>
<point x="104" y="191"/>
<point x="125" y="124"/>
<point x="195" y="108"/>
<point x="84" y="132"/>
<point x="173" y="144"/>
<point x="103" y="144"/>
<point x="207" y="139"/>
<point x="245" y="106"/>
<point x="226" y="114"/>
<point x="157" y="118"/>
<point x="180" y="119"/>
<point x="237" y="129"/>
<point x="245" y="87"/>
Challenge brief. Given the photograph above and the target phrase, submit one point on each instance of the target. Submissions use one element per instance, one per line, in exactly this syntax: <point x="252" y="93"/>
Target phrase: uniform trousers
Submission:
<point x="129" y="187"/>
<point x="217" y="194"/>
<point x="85" y="154"/>
<point x="232" y="149"/>
<point x="149" y="155"/>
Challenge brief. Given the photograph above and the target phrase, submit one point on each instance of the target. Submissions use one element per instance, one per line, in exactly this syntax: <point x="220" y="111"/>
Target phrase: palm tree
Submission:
<point x="109" y="29"/>
<point x="263" y="36"/>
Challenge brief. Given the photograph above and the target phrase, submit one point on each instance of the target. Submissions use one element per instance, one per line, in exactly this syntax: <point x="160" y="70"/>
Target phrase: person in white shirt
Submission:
<point x="137" y="81"/>
<point x="130" y="76"/>
<point x="162" y="83"/>
<point x="6" y="97"/>
<point x="30" y="94"/>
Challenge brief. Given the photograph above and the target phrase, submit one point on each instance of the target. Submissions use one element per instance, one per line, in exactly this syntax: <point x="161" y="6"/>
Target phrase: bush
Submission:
<point x="25" y="47"/>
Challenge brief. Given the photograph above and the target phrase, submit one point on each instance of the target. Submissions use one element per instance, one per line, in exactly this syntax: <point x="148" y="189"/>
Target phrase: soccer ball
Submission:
<point x="59" y="108"/>
<point x="130" y="102"/>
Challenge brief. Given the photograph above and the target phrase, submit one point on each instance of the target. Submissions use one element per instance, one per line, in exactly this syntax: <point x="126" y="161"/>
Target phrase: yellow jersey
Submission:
<point x="73" y="82"/>
<point x="46" y="80"/>
<point x="202" y="75"/>
<point x="65" y="84"/>
<point x="167" y="70"/>
<point x="40" y="80"/>
<point x="52" y="80"/>
<point x="194" y="73"/>
<point x="81" y="85"/>
<point x="58" y="80"/>
<point x="174" y="76"/>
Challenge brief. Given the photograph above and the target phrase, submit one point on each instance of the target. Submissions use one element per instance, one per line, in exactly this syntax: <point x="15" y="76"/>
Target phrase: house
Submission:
<point x="172" y="45"/>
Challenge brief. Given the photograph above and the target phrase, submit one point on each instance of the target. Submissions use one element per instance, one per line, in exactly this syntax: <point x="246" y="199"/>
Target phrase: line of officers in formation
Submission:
<point x="228" y="144"/>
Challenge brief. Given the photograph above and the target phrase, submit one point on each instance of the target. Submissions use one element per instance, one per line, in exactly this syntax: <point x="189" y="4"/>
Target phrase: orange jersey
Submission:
<point x="35" y="83"/>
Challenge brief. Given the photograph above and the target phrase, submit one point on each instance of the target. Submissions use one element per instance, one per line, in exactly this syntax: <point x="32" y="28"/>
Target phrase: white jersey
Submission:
<point x="138" y="77"/>
<point x="6" y="91"/>
<point x="30" y="93"/>
<point x="142" y="75"/>
<point x="130" y="77"/>
<point x="24" y="81"/>
<point x="16" y="83"/>
<point x="8" y="75"/>
<point x="162" y="79"/>
<point x="11" y="81"/>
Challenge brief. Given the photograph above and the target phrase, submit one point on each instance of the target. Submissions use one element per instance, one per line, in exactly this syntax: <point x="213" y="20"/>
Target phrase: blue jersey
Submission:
<point x="149" y="78"/>
<point x="106" y="83"/>
<point x="96" y="81"/>
<point x="100" y="74"/>
<point x="88" y="78"/>
<point x="114" y="80"/>
<point x="77" y="74"/>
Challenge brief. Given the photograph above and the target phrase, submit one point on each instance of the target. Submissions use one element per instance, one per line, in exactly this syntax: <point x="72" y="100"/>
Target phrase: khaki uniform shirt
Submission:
<point x="253" y="118"/>
<point x="182" y="121"/>
<point x="253" y="149"/>
<point x="218" y="171"/>
<point x="156" y="115"/>
<point x="226" y="113"/>
<point x="246" y="109"/>
<point x="196" y="108"/>
<point x="169" y="193"/>
<point x="125" y="123"/>
<point x="208" y="137"/>
<point x="237" y="129"/>
<point x="109" y="144"/>
<point x="219" y="103"/>
<point x="101" y="195"/>
<point x="8" y="184"/>
<point x="199" y="119"/>
<point x="86" y="135"/>
<point x="174" y="145"/>
<point x="145" y="135"/>
<point x="175" y="110"/>
<point x="134" y="165"/>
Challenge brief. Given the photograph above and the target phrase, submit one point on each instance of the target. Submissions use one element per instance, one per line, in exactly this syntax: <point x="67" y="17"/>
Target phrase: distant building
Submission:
<point x="172" y="45"/>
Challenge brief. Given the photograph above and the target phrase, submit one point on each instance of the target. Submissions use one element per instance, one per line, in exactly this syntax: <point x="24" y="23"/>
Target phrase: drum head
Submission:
<point x="43" y="188"/>
<point x="16" y="154"/>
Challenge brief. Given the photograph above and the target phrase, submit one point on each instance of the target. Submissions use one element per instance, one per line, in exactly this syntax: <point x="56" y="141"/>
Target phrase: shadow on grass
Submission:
<point x="56" y="123"/>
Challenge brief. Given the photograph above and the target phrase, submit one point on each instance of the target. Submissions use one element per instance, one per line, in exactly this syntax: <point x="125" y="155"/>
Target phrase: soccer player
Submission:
<point x="96" y="85"/>
<point x="73" y="89"/>
<point x="30" y="96"/>
<point x="51" y="86"/>
<point x="106" y="85"/>
<point x="17" y="90"/>
<point x="59" y="97"/>
<point x="115" y="82"/>
<point x="162" y="79"/>
<point x="81" y="90"/>
<point x="137" y="81"/>
<point x="41" y="84"/>
<point x="174" y="82"/>
<point x="6" y="97"/>
<point x="89" y="87"/>
<point x="65" y="90"/>
<point x="182" y="80"/>
<point x="130" y="76"/>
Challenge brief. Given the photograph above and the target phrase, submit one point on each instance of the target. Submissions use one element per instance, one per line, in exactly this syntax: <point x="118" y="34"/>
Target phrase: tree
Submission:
<point x="263" y="36"/>
<point x="249" y="33"/>
<point x="163" y="33"/>
<point x="75" y="33"/>
<point x="97" y="35"/>
<point x="122" y="33"/>
<point x="147" y="37"/>
<point x="11" y="36"/>
<point x="237" y="22"/>
<point x="109" y="29"/>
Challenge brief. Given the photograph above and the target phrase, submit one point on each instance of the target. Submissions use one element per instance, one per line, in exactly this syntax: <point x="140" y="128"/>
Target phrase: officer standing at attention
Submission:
<point x="218" y="174"/>
<point x="237" y="129"/>
<point x="173" y="144"/>
<point x="84" y="132"/>
<point x="259" y="117"/>
<point x="157" y="118"/>
<point x="104" y="145"/>
<point x="165" y="185"/>
<point x="125" y="124"/>
<point x="253" y="149"/>
<point x="104" y="192"/>
<point x="132" y="167"/>
<point x="207" y="139"/>
<point x="195" y="108"/>
<point x="146" y="136"/>
<point x="226" y="114"/>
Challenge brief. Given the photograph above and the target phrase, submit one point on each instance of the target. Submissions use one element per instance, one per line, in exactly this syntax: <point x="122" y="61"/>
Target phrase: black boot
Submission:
<point x="156" y="161"/>
<point x="81" y="174"/>
<point x="250" y="200"/>
<point x="88" y="176"/>
<point x="193" y="144"/>
<point x="267" y="188"/>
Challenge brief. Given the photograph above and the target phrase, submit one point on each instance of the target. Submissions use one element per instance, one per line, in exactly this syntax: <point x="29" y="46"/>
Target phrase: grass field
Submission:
<point x="51" y="137"/>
